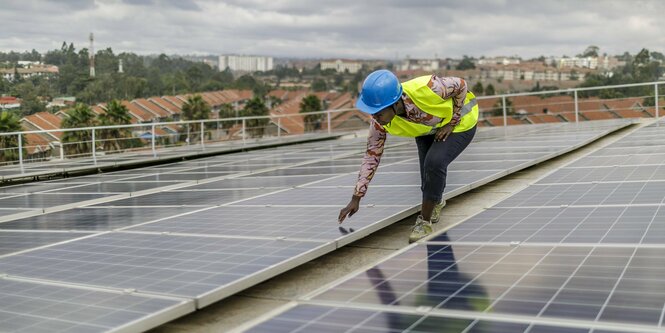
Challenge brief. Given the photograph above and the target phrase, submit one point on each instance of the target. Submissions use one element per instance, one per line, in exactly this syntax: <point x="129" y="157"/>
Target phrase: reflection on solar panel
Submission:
<point x="320" y="318"/>
<point x="579" y="251"/>
<point x="213" y="237"/>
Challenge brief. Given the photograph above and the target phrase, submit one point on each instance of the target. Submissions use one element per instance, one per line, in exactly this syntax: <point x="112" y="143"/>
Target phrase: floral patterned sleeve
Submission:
<point x="375" y="143"/>
<point x="451" y="87"/>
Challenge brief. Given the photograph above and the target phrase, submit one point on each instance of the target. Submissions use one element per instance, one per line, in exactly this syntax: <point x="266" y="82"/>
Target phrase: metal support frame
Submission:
<point x="94" y="148"/>
<point x="20" y="151"/>
<point x="329" y="122"/>
<point x="203" y="147"/>
<point x="577" y="109"/>
<point x="243" y="131"/>
<point x="154" y="152"/>
<point x="505" y="113"/>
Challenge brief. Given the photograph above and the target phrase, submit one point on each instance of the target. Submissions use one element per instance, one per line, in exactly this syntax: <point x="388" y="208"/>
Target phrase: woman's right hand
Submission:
<point x="350" y="208"/>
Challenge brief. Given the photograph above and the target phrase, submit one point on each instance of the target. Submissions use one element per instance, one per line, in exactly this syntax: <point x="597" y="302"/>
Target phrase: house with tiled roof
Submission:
<point x="138" y="114"/>
<point x="171" y="108"/>
<point x="158" y="112"/>
<point x="9" y="102"/>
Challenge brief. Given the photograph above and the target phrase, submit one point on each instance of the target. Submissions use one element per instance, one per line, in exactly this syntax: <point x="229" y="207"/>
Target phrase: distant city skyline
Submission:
<point x="372" y="29"/>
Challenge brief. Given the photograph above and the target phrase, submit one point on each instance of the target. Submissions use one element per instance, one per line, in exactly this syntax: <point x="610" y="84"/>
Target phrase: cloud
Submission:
<point x="337" y="28"/>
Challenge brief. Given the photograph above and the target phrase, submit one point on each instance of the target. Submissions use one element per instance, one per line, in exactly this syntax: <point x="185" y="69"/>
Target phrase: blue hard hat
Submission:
<point x="380" y="90"/>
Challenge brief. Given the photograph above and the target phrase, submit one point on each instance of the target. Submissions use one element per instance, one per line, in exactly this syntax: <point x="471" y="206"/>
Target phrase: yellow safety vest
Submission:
<point x="431" y="103"/>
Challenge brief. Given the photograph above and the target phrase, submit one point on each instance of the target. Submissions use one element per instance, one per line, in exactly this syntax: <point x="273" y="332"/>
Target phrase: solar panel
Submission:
<point x="14" y="241"/>
<point x="596" y="284"/>
<point x="184" y="266"/>
<point x="46" y="200"/>
<point x="622" y="193"/>
<point x="256" y="182"/>
<point x="607" y="225"/>
<point x="37" y="307"/>
<point x="205" y="256"/>
<point x="94" y="219"/>
<point x="313" y="223"/>
<point x="189" y="198"/>
<point x="114" y="187"/>
<point x="321" y="318"/>
<point x="312" y="196"/>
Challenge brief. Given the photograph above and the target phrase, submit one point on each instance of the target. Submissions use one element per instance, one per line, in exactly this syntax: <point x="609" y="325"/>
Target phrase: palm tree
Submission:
<point x="116" y="114"/>
<point x="311" y="103"/>
<point x="256" y="107"/>
<point x="195" y="108"/>
<point x="8" y="144"/>
<point x="78" y="142"/>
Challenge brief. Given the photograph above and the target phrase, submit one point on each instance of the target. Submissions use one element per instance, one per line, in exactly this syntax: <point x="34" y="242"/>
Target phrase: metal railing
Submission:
<point x="575" y="91"/>
<point x="149" y="138"/>
<point x="193" y="134"/>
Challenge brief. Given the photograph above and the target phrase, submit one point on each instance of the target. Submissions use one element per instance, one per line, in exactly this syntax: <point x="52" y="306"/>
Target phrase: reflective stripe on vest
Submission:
<point x="431" y="103"/>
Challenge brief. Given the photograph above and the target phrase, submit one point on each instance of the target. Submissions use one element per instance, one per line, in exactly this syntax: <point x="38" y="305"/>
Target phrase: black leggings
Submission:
<point x="435" y="156"/>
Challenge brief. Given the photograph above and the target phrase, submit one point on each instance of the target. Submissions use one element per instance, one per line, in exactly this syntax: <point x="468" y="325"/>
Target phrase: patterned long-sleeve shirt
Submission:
<point x="446" y="87"/>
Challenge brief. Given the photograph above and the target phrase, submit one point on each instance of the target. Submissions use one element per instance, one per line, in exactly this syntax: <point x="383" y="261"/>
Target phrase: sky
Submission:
<point x="354" y="29"/>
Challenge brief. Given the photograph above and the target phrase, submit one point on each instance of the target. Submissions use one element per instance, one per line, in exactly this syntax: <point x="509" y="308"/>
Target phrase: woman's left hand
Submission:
<point x="443" y="132"/>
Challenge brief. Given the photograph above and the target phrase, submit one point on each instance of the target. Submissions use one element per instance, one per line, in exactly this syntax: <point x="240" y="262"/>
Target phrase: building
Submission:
<point x="430" y="65"/>
<point x="25" y="73"/>
<point x="499" y="61"/>
<point x="245" y="63"/>
<point x="342" y="65"/>
<point x="9" y="102"/>
<point x="586" y="62"/>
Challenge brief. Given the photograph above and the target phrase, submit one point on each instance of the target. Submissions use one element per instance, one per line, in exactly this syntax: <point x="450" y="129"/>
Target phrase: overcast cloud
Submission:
<point x="337" y="28"/>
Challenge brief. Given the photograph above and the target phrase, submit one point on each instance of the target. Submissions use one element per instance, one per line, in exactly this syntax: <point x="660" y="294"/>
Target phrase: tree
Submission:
<point x="9" y="122"/>
<point x="319" y="85"/>
<point x="591" y="51"/>
<point x="78" y="142"/>
<point x="116" y="114"/>
<point x="311" y="103"/>
<point x="489" y="90"/>
<point x="466" y="63"/>
<point x="195" y="108"/>
<point x="478" y="89"/>
<point x="31" y="103"/>
<point x="256" y="107"/>
<point x="497" y="109"/>
<point x="227" y="110"/>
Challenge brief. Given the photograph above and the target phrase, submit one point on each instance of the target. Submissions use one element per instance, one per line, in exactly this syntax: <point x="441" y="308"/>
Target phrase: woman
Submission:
<point x="439" y="112"/>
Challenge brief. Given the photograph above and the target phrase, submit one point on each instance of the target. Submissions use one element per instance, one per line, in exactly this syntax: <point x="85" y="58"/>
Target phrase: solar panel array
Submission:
<point x="578" y="251"/>
<point x="198" y="231"/>
<point x="110" y="161"/>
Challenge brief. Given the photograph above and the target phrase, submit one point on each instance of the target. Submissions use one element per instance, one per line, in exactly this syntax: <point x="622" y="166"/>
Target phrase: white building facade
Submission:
<point x="341" y="65"/>
<point x="245" y="63"/>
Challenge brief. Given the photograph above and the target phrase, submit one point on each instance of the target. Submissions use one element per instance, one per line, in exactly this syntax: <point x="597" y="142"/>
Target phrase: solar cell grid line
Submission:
<point x="39" y="307"/>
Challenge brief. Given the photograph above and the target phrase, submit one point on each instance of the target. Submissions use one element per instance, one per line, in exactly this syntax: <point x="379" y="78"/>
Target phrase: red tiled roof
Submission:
<point x="598" y="115"/>
<point x="99" y="109"/>
<point x="166" y="105"/>
<point x="138" y="112"/>
<point x="36" y="143"/>
<point x="45" y="121"/>
<point x="174" y="100"/>
<point x="151" y="107"/>
<point x="293" y="125"/>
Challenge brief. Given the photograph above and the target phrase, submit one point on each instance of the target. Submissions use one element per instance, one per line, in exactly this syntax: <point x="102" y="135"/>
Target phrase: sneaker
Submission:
<point x="436" y="212"/>
<point x="421" y="229"/>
